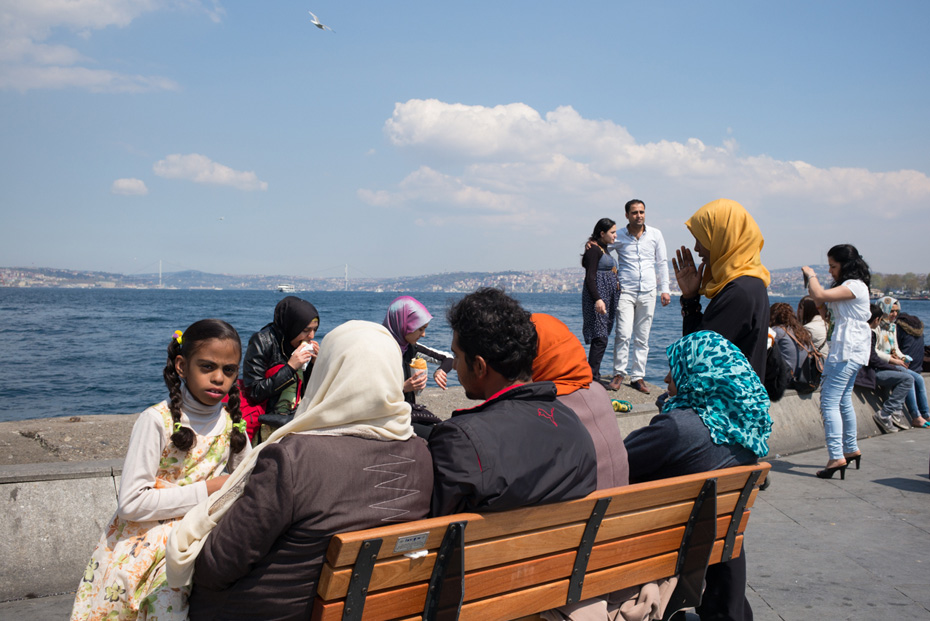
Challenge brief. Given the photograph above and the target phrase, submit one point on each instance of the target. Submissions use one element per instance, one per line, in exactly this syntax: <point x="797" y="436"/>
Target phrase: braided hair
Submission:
<point x="198" y="332"/>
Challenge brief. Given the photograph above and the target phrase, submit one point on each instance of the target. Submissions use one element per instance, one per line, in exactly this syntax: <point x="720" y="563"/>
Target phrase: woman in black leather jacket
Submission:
<point x="276" y="362"/>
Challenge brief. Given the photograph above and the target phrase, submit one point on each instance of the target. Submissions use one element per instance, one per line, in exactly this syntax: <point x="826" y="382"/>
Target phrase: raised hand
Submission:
<point x="688" y="275"/>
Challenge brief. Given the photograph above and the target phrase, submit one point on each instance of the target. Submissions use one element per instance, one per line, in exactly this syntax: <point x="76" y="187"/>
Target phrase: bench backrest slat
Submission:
<point x="344" y="547"/>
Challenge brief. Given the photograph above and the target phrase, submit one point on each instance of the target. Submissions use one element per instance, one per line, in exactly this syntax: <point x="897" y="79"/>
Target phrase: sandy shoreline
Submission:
<point x="89" y="438"/>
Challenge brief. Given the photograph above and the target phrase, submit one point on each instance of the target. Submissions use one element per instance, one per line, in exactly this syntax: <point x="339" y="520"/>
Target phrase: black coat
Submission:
<point x="865" y="378"/>
<point x="266" y="350"/>
<point x="740" y="314"/>
<point x="520" y="448"/>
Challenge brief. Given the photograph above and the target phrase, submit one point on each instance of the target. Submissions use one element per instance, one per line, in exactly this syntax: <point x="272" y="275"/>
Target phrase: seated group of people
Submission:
<point x="895" y="363"/>
<point x="544" y="432"/>
<point x="280" y="358"/>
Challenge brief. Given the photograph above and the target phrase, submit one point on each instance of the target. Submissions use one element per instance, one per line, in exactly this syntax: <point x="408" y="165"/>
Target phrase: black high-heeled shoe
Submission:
<point x="853" y="458"/>
<point x="827" y="473"/>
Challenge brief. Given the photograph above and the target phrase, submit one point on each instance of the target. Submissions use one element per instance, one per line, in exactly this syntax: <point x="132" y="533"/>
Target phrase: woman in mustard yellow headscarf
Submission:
<point x="731" y="275"/>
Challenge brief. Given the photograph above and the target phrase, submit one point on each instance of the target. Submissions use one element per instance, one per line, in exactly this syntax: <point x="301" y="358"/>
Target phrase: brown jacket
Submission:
<point x="594" y="410"/>
<point x="264" y="558"/>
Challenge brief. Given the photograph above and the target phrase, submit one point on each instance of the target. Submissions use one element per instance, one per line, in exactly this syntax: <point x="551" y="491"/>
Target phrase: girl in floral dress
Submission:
<point x="177" y="454"/>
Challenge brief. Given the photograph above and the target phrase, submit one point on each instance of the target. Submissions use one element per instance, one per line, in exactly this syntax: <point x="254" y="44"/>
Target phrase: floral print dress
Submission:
<point x="125" y="578"/>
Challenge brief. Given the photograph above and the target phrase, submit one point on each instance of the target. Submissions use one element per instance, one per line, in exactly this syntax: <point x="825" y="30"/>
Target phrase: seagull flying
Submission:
<point x="317" y="23"/>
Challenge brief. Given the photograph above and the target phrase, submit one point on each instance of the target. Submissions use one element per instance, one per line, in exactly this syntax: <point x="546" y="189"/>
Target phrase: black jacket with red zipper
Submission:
<point x="519" y="448"/>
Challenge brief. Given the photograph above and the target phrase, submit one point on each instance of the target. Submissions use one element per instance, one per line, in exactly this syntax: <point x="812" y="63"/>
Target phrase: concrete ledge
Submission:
<point x="54" y="513"/>
<point x="796" y="422"/>
<point x="28" y="473"/>
<point x="50" y="530"/>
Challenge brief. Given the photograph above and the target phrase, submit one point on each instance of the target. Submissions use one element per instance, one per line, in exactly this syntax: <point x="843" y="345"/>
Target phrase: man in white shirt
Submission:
<point x="641" y="258"/>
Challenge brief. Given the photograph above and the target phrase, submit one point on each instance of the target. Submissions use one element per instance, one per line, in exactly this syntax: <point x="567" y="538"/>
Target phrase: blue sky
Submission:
<point x="423" y="137"/>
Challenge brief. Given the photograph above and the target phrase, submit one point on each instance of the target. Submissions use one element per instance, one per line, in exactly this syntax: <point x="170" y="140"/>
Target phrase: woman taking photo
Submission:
<point x="600" y="293"/>
<point x="848" y="298"/>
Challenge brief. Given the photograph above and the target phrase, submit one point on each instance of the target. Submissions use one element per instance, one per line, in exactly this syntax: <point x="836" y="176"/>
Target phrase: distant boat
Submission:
<point x="286" y="288"/>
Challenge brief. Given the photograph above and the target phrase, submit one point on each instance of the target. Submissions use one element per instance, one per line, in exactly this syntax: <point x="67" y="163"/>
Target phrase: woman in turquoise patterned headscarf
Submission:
<point x="717" y="416"/>
<point x="712" y="377"/>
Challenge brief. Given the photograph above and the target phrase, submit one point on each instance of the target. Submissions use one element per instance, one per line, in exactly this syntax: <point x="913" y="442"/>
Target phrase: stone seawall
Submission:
<point x="54" y="513"/>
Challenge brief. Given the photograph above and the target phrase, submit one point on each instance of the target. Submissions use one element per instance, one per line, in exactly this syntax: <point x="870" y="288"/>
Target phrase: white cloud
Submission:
<point x="30" y="58"/>
<point x="449" y="197"/>
<point x="517" y="152"/>
<point x="129" y="187"/>
<point x="201" y="169"/>
<point x="513" y="166"/>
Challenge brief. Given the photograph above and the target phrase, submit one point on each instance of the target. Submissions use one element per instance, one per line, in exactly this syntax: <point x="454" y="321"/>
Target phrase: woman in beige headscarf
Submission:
<point x="322" y="473"/>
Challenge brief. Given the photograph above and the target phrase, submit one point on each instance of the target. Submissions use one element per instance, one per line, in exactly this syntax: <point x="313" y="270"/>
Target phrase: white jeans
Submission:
<point x="634" y="318"/>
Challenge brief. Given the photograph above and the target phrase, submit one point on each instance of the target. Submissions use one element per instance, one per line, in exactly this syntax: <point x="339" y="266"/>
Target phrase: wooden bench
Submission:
<point x="516" y="563"/>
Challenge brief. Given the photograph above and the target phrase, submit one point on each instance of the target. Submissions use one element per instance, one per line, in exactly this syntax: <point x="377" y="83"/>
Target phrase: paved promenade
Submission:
<point x="829" y="550"/>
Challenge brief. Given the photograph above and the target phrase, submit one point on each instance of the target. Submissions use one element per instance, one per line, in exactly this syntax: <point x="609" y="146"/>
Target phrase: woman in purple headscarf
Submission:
<point x="407" y="320"/>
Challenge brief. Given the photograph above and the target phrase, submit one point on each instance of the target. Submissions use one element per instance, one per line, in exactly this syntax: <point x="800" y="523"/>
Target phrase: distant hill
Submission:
<point x="786" y="281"/>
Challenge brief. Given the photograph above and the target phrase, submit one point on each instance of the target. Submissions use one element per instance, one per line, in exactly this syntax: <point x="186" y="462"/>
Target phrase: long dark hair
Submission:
<point x="852" y="265"/>
<point x="807" y="309"/>
<point x="782" y="315"/>
<point x="191" y="340"/>
<point x="603" y="225"/>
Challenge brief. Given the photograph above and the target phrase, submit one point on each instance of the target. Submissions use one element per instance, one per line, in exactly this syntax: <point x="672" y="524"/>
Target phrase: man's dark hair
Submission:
<point x="630" y="204"/>
<point x="491" y="324"/>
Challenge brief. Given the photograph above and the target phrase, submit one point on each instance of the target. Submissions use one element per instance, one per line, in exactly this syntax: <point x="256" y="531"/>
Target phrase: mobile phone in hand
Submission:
<point x="806" y="279"/>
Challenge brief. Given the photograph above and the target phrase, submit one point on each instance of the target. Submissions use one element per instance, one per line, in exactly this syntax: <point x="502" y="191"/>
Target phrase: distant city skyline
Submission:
<point x="421" y="138"/>
<point x="786" y="281"/>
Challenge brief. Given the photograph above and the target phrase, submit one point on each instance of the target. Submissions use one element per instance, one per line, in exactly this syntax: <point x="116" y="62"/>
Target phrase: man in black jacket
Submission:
<point x="521" y="446"/>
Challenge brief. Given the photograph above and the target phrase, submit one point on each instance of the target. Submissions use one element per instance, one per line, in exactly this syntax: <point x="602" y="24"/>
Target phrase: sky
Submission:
<point x="425" y="137"/>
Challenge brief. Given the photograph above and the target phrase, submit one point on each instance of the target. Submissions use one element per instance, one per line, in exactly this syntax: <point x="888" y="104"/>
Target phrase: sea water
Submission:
<point x="78" y="352"/>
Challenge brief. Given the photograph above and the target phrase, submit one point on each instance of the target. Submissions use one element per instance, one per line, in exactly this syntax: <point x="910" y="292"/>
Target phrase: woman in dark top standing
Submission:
<point x="731" y="275"/>
<point x="717" y="416"/>
<point x="600" y="293"/>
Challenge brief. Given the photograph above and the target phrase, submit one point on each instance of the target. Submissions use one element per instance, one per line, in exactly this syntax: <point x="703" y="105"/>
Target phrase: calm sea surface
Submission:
<point x="73" y="352"/>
